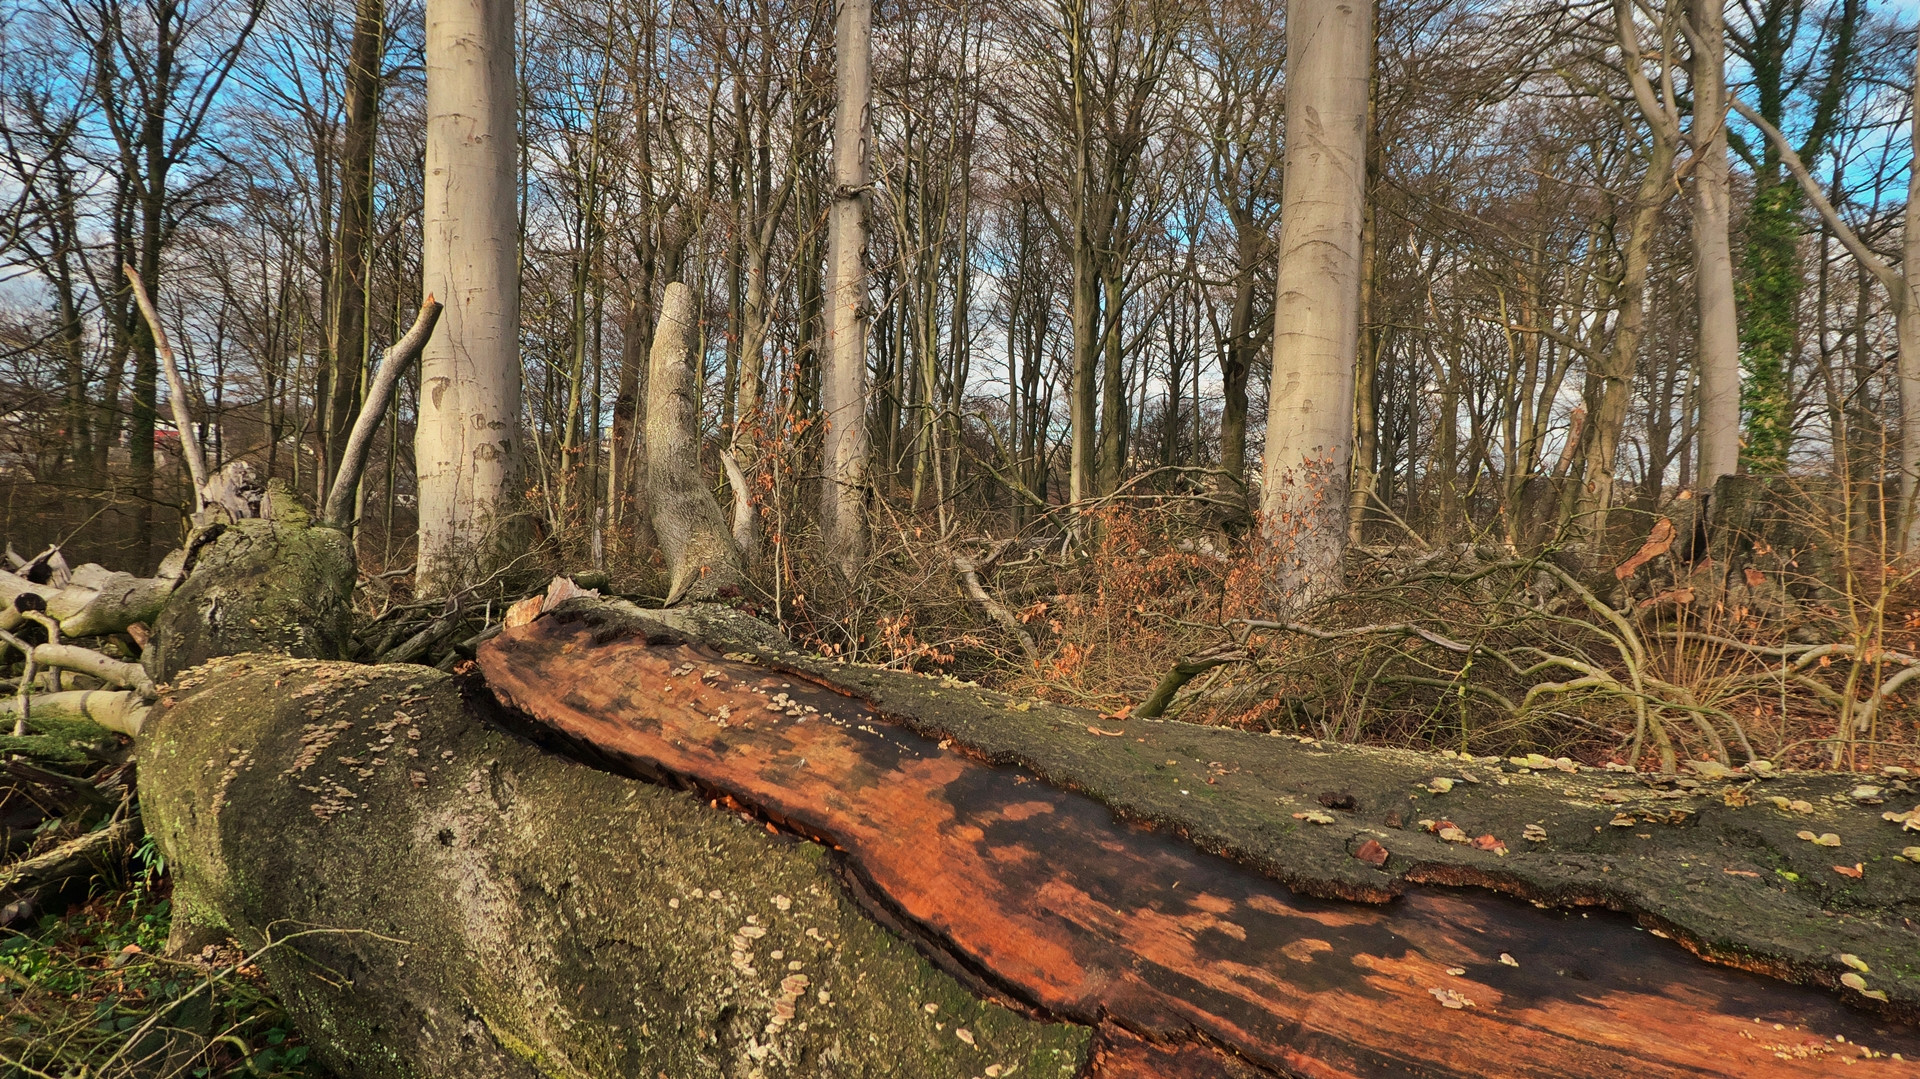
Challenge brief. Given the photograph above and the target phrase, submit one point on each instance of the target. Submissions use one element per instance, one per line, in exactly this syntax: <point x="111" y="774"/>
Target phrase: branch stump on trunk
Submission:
<point x="281" y="585"/>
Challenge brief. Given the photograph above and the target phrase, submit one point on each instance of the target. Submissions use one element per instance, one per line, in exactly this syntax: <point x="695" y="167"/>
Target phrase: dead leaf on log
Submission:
<point x="1372" y="853"/>
<point x="1659" y="542"/>
<point x="1109" y="734"/>
<point x="1856" y="870"/>
<point x="523" y="612"/>
<point x="1679" y="597"/>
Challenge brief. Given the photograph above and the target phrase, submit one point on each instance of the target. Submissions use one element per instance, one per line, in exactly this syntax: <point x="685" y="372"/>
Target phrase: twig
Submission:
<point x="1182" y="673"/>
<point x="970" y="577"/>
<point x="1402" y="629"/>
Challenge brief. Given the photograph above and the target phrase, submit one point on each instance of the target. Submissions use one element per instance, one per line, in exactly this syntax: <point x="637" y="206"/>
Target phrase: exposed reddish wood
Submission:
<point x="1055" y="903"/>
<point x="1118" y="1053"/>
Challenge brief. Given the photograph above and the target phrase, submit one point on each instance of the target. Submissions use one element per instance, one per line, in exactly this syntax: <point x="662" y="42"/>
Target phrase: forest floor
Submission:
<point x="90" y="992"/>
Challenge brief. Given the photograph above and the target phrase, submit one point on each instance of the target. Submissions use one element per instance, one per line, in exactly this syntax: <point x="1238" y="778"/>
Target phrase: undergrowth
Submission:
<point x="1472" y="649"/>
<point x="89" y="994"/>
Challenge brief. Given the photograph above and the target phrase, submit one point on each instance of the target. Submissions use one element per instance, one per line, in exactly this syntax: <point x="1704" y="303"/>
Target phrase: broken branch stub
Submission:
<point x="339" y="508"/>
<point x="176" y="387"/>
<point x="703" y="561"/>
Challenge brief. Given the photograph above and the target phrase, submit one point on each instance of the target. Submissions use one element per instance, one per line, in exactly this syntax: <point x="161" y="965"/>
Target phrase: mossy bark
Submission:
<point x="279" y="585"/>
<point x="474" y="906"/>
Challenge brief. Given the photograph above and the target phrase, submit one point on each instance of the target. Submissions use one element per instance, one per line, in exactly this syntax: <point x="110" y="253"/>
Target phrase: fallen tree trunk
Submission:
<point x="478" y="907"/>
<point x="494" y="909"/>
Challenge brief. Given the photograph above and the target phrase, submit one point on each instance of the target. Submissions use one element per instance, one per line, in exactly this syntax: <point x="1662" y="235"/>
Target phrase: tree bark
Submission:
<point x="347" y="319"/>
<point x="1717" y="344"/>
<point x="702" y="559"/>
<point x="844" y="387"/>
<point x="1905" y="298"/>
<point x="1316" y="308"/>
<point x="507" y="912"/>
<point x="468" y="441"/>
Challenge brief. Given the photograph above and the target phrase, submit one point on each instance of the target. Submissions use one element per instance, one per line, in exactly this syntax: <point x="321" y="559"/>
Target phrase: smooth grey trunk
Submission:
<point x="467" y="444"/>
<point x="843" y="386"/>
<point x="347" y="295"/>
<point x="1717" y="346"/>
<point x="702" y="559"/>
<point x="1316" y="327"/>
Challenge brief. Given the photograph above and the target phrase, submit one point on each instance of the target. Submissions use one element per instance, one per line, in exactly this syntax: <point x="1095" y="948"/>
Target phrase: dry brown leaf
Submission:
<point x="523" y="612"/>
<point x="1755" y="578"/>
<point x="1109" y="734"/>
<point x="1679" y="597"/>
<point x="1856" y="870"/>
<point x="1659" y="542"/>
<point x="1372" y="853"/>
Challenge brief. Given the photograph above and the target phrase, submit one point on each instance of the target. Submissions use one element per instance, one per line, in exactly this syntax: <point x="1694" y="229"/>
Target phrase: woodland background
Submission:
<point x="206" y="142"/>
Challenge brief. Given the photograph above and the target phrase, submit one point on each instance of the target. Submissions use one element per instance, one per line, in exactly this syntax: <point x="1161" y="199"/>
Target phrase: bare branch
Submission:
<point x="339" y="508"/>
<point x="176" y="386"/>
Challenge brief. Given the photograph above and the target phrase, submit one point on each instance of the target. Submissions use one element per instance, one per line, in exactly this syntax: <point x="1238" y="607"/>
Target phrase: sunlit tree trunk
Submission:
<point x="844" y="387"/>
<point x="1317" y="299"/>
<point x="1718" y="343"/>
<point x="703" y="561"/>
<point x="467" y="445"/>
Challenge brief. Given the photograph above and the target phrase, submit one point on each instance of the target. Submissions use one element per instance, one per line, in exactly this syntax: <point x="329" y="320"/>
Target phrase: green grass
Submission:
<point x="89" y="995"/>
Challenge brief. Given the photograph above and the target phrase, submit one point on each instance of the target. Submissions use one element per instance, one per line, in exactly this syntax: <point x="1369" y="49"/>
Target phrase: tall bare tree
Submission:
<point x="467" y="445"/>
<point x="844" y="382"/>
<point x="1316" y="326"/>
<point x="1717" y="351"/>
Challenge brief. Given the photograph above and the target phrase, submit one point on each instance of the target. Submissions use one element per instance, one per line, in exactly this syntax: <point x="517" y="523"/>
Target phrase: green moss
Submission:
<point x="275" y="586"/>
<point x="60" y="741"/>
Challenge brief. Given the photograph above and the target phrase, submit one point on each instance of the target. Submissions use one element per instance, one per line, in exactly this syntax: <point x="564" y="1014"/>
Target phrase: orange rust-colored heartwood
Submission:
<point x="1195" y="965"/>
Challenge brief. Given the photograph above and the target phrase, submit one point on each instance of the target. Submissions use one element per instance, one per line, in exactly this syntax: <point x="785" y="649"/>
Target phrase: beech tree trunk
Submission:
<point x="1316" y="327"/>
<point x="844" y="385"/>
<point x="467" y="445"/>
<point x="1901" y="288"/>
<point x="1717" y="345"/>
<point x="1907" y="306"/>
